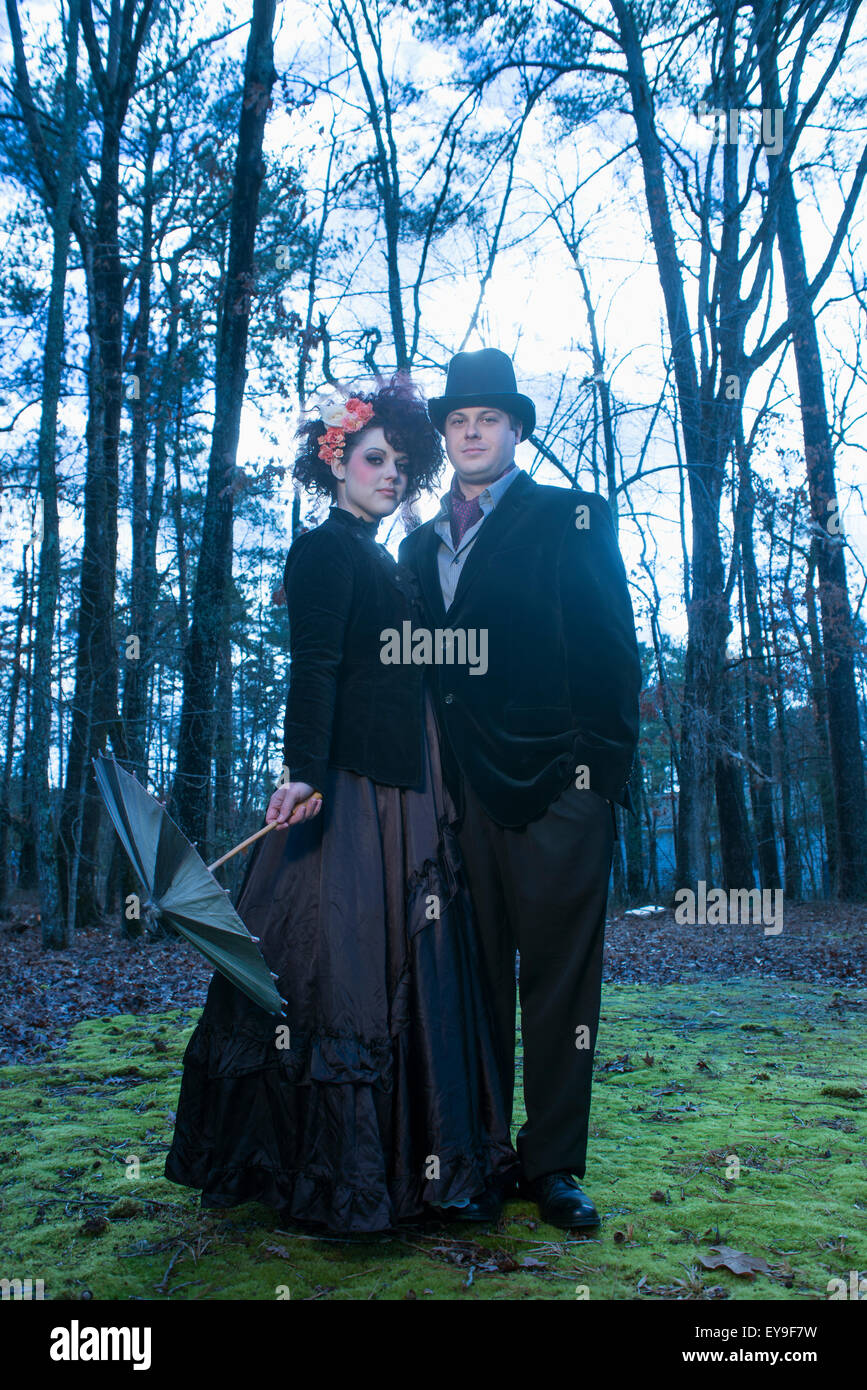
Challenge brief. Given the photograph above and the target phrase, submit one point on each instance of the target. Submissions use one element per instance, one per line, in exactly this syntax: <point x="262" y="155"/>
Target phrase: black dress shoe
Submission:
<point x="485" y="1206"/>
<point x="562" y="1203"/>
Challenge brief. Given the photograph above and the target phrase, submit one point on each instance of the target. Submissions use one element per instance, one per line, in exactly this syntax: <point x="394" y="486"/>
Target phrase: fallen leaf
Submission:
<point x="737" y="1261"/>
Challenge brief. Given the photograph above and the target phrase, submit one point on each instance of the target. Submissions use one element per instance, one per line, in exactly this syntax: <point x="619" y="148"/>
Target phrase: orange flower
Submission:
<point x="356" y="416"/>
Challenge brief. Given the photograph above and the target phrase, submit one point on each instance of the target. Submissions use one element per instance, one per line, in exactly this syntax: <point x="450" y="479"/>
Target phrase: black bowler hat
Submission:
<point x="486" y="377"/>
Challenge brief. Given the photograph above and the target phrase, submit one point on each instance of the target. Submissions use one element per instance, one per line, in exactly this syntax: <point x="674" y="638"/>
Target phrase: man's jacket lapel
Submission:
<point x="492" y="533"/>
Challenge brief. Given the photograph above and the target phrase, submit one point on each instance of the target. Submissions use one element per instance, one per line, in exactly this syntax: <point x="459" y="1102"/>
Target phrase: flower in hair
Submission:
<point x="341" y="418"/>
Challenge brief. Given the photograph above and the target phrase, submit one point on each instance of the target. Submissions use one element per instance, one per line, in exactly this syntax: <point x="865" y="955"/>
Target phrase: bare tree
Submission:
<point x="213" y="576"/>
<point x="838" y="638"/>
<point x="59" y="182"/>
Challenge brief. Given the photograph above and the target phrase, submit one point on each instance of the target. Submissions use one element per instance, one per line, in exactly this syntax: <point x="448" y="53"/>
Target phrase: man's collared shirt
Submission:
<point x="450" y="561"/>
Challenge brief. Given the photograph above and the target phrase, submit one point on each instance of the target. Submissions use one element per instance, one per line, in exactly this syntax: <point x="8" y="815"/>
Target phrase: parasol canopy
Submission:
<point x="179" y="886"/>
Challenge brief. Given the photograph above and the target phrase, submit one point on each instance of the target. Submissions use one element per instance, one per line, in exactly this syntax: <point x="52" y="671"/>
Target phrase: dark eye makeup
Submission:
<point x="403" y="464"/>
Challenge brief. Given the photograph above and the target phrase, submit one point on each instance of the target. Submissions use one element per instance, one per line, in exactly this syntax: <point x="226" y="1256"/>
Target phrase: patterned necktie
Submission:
<point x="464" y="512"/>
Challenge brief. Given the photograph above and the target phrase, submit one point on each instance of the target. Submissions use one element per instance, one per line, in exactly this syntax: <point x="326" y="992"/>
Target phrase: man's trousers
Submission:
<point x="543" y="889"/>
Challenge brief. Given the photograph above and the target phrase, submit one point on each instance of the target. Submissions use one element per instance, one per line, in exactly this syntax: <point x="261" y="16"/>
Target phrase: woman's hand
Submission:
<point x="292" y="804"/>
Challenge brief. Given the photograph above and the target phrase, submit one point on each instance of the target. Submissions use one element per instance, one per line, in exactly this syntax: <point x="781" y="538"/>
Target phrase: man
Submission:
<point x="535" y="750"/>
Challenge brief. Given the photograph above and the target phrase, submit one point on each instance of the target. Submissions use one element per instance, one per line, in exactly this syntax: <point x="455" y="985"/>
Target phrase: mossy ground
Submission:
<point x="686" y="1077"/>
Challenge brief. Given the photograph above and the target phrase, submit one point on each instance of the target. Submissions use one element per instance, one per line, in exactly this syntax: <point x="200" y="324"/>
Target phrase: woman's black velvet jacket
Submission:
<point x="345" y="708"/>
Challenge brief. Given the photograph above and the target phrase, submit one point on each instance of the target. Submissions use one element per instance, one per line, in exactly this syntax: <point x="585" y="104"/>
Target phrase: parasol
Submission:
<point x="181" y="888"/>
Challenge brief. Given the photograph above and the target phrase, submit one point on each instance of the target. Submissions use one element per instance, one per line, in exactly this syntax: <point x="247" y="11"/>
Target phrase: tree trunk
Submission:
<point x="95" y="713"/>
<point x="38" y="739"/>
<point x="820" y="723"/>
<point x="618" y="868"/>
<point x="27" y="871"/>
<point x="196" y="739"/>
<point x="223" y="819"/>
<point x="636" y="879"/>
<point x="759" y="721"/>
<point x="838" y="636"/>
<point x="179" y="527"/>
<point x="791" y="847"/>
<point x="138" y="657"/>
<point x="6" y="813"/>
<point x="736" y="845"/>
<point x="705" y="444"/>
<point x="601" y="393"/>
<point x="650" y="818"/>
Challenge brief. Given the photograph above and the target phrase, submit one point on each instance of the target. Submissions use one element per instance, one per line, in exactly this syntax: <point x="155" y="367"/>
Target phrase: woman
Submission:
<point x="383" y="1097"/>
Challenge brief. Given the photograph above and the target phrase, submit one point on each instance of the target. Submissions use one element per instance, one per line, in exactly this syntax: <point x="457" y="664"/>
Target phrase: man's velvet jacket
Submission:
<point x="546" y="579"/>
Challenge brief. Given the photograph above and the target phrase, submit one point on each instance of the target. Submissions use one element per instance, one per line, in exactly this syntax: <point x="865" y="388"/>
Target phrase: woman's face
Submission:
<point x="371" y="476"/>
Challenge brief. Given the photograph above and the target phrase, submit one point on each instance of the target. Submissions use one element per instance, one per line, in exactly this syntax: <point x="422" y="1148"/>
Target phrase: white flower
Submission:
<point x="332" y="413"/>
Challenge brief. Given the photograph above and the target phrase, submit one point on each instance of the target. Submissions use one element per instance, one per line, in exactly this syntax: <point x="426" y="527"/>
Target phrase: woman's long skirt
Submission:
<point x="377" y="1092"/>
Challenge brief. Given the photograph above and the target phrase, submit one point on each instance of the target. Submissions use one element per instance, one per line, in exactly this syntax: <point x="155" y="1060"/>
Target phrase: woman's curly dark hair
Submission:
<point x="400" y="410"/>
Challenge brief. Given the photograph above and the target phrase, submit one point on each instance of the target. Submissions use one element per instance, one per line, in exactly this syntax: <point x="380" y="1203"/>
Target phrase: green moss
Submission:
<point x="723" y="1113"/>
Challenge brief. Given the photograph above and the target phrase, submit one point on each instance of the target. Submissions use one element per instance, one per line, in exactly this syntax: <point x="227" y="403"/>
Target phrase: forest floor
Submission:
<point x="728" y="1143"/>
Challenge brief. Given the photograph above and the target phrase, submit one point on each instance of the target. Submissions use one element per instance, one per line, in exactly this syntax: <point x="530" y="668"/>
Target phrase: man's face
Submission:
<point x="480" y="442"/>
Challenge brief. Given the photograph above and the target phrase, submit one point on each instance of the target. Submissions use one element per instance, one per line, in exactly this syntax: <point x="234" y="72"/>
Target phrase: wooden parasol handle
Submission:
<point x="256" y="836"/>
